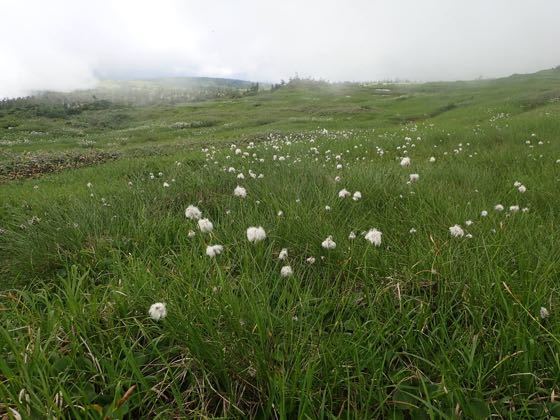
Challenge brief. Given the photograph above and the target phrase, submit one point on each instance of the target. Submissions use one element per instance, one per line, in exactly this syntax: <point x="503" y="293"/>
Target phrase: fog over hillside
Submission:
<point x="64" y="45"/>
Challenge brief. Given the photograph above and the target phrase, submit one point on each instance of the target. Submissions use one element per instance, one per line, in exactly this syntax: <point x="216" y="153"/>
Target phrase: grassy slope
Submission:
<point x="425" y="323"/>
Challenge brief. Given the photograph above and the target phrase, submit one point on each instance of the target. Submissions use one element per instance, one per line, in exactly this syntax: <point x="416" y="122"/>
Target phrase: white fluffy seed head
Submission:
<point x="499" y="207"/>
<point x="283" y="254"/>
<point x="456" y="231"/>
<point x="329" y="243"/>
<point x="414" y="177"/>
<point x="544" y="312"/>
<point x="256" y="234"/>
<point x="205" y="225"/>
<point x="213" y="250"/>
<point x="357" y="196"/>
<point x="286" y="271"/>
<point x="343" y="193"/>
<point x="157" y="311"/>
<point x="193" y="213"/>
<point x="240" y="192"/>
<point x="373" y="236"/>
<point x="405" y="161"/>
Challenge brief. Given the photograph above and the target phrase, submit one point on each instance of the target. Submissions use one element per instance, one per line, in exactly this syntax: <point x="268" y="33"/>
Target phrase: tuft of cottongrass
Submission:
<point x="373" y="236"/>
<point x="205" y="225"/>
<point x="405" y="161"/>
<point x="343" y="193"/>
<point x="357" y="196"/>
<point x="543" y="312"/>
<point x="456" y="231"/>
<point x="213" y="250"/>
<point x="286" y="271"/>
<point x="283" y="254"/>
<point x="157" y="311"/>
<point x="256" y="234"/>
<point x="329" y="243"/>
<point x="193" y="213"/>
<point x="240" y="192"/>
<point x="414" y="177"/>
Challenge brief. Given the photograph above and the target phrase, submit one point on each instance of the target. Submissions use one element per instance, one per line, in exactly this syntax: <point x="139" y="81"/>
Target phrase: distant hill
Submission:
<point x="189" y="82"/>
<point x="155" y="91"/>
<point x="180" y="83"/>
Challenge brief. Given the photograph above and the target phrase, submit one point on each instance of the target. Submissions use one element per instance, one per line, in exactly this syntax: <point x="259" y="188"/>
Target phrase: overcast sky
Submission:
<point x="69" y="44"/>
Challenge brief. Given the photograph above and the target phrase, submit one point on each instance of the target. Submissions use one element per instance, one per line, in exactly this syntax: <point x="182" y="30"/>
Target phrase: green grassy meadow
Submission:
<point x="425" y="325"/>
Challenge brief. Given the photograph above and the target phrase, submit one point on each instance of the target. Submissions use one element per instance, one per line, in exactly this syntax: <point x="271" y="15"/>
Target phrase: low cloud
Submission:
<point x="64" y="45"/>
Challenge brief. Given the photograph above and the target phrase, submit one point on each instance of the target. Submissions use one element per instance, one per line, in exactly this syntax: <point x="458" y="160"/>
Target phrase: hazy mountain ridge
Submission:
<point x="154" y="91"/>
